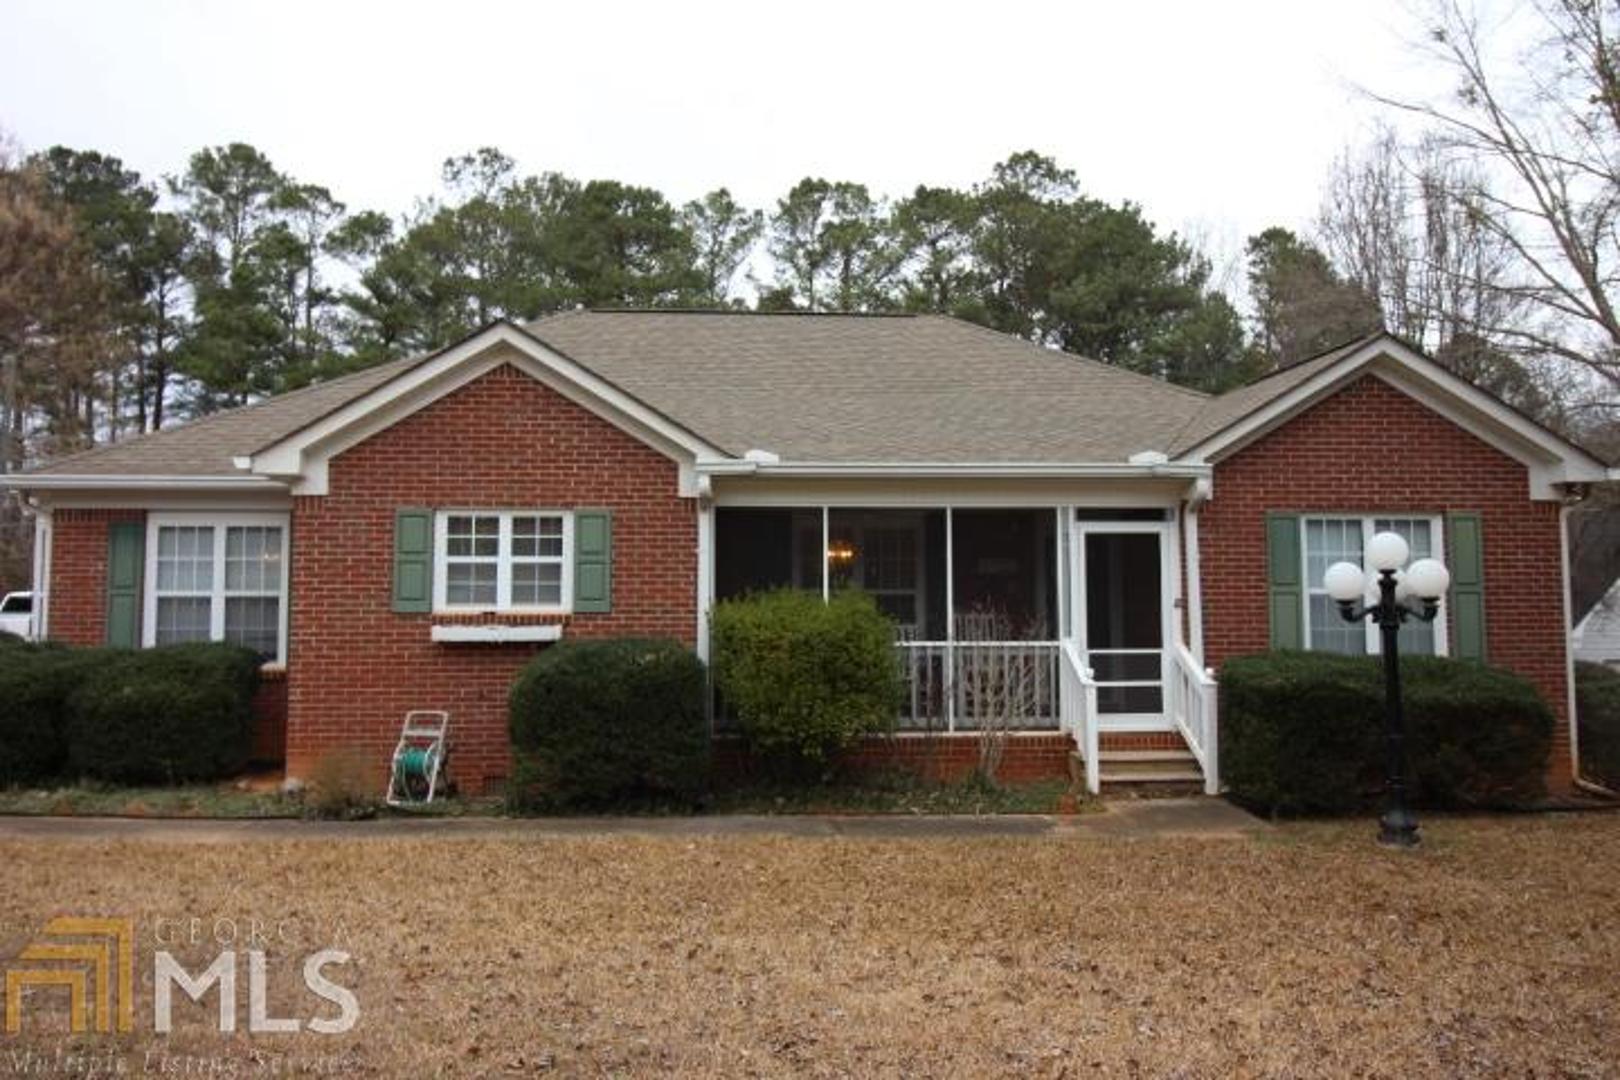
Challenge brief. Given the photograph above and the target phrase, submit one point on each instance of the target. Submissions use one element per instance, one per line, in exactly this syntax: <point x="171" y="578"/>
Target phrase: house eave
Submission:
<point x="965" y="470"/>
<point x="147" y="482"/>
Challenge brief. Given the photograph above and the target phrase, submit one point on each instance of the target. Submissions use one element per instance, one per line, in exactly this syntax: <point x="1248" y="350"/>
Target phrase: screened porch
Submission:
<point x="976" y="596"/>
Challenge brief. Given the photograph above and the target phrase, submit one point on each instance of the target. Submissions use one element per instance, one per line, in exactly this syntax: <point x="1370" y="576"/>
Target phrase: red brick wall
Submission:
<point x="78" y="586"/>
<point x="270" y="719"/>
<point x="1370" y="448"/>
<point x="503" y="440"/>
<point x="1027" y="757"/>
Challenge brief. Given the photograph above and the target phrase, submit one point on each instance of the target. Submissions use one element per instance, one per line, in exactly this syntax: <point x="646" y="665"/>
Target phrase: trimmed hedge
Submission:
<point x="35" y="684"/>
<point x="806" y="678"/>
<point x="1597" y="704"/>
<point x="180" y="712"/>
<point x="1303" y="732"/>
<point x="598" y="722"/>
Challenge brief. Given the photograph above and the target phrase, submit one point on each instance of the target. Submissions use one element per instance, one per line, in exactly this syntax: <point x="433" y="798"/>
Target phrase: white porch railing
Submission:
<point x="1191" y="701"/>
<point x="961" y="686"/>
<point x="1079" y="704"/>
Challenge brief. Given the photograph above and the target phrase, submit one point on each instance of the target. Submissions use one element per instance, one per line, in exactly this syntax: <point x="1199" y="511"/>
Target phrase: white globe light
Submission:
<point x="1403" y="587"/>
<point x="1387" y="551"/>
<point x="1428" y="579"/>
<point x="1344" y="581"/>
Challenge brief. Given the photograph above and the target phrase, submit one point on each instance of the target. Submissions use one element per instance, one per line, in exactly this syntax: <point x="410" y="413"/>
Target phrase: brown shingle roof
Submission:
<point x="829" y="388"/>
<point x="205" y="447"/>
<point x="896" y="388"/>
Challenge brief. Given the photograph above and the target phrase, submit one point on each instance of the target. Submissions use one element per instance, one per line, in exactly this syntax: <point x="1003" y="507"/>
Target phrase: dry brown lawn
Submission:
<point x="1494" y="950"/>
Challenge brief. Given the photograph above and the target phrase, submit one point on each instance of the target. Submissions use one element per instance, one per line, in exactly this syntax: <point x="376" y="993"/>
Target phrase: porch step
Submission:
<point x="1141" y="768"/>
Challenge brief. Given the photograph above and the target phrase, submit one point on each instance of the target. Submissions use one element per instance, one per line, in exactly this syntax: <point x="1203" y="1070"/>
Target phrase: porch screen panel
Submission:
<point x="1004" y="584"/>
<point x="759" y="549"/>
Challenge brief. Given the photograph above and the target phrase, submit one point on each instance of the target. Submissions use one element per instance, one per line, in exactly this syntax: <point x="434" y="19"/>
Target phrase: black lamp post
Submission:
<point x="1425" y="581"/>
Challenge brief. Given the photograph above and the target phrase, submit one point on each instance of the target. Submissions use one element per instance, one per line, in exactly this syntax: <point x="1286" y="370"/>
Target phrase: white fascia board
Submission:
<point x="302" y="457"/>
<point x="965" y="470"/>
<point x="1548" y="459"/>
<point x="91" y="482"/>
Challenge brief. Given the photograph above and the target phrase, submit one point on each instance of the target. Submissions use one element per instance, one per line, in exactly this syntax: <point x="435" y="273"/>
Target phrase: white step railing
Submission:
<point x="1192" y="703"/>
<point x="1078" y="697"/>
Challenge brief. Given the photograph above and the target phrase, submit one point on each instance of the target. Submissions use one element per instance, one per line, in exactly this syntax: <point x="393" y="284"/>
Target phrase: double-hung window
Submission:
<point x="502" y="560"/>
<point x="1328" y="540"/>
<point x="217" y="577"/>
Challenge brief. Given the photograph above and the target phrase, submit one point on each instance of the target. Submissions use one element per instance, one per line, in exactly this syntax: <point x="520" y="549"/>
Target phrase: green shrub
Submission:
<point x="598" y="722"/>
<point x="805" y="678"/>
<point x="180" y="712"/>
<point x="1597" y="704"/>
<point x="35" y="683"/>
<point x="1304" y="733"/>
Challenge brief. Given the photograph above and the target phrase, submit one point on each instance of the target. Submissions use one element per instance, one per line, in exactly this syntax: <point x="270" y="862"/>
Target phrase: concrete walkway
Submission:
<point x="1127" y="819"/>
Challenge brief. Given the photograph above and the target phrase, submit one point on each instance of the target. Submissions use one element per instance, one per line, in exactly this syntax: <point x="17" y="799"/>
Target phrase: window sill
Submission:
<point x="496" y="633"/>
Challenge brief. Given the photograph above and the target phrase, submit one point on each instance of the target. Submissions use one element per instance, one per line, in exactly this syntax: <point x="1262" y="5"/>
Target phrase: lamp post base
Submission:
<point x="1398" y="828"/>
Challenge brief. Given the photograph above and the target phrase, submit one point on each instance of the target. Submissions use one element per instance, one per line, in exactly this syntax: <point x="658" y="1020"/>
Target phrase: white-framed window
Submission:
<point x="217" y="577"/>
<point x="503" y="560"/>
<point x="1330" y="539"/>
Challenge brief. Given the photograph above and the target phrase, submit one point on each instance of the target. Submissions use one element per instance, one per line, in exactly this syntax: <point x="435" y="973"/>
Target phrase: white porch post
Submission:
<point x="1195" y="580"/>
<point x="826" y="540"/>
<point x="42" y="573"/>
<point x="705" y="574"/>
<point x="950" y="621"/>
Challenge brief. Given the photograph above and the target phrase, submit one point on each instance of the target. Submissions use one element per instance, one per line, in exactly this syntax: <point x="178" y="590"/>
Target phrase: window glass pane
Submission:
<point x="254" y="621"/>
<point x="1330" y="632"/>
<point x="470" y="583"/>
<point x="536" y="536"/>
<point x="185" y="558"/>
<point x="1327" y="541"/>
<point x="476" y="535"/>
<point x="182" y="618"/>
<point x="253" y="559"/>
<point x="536" y="583"/>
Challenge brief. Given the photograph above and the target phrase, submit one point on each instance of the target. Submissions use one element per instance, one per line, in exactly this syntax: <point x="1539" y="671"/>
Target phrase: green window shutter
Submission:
<point x="126" y="558"/>
<point x="1284" y="574"/>
<point x="593" y="560"/>
<point x="1465" y="537"/>
<point x="413" y="560"/>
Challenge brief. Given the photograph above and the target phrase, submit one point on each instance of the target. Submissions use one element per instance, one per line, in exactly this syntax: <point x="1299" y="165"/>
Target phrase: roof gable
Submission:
<point x="301" y="457"/>
<point x="1234" y="420"/>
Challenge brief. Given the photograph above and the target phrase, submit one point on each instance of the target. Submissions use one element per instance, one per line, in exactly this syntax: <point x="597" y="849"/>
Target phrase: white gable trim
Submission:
<point x="1549" y="460"/>
<point x="301" y="459"/>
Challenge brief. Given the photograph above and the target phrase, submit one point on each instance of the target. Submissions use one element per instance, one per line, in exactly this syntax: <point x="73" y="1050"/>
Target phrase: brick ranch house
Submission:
<point x="407" y="536"/>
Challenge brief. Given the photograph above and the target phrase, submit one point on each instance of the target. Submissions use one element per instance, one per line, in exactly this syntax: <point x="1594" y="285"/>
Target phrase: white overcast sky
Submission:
<point x="1219" y="118"/>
